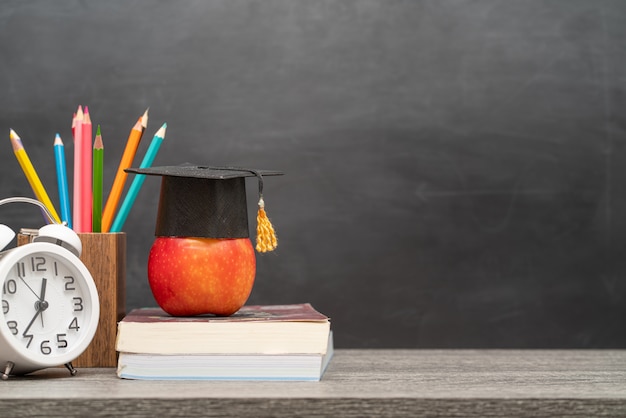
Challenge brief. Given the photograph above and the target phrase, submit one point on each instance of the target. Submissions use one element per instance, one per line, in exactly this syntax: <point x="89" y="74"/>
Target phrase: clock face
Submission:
<point x="47" y="305"/>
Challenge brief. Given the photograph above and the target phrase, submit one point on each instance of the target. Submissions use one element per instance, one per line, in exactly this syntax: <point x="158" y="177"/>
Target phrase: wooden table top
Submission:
<point x="357" y="383"/>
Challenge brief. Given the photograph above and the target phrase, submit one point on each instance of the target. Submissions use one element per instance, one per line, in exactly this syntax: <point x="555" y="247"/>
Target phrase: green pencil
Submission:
<point x="98" y="167"/>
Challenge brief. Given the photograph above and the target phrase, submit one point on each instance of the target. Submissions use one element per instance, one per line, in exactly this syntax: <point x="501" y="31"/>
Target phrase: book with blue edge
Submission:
<point x="260" y="342"/>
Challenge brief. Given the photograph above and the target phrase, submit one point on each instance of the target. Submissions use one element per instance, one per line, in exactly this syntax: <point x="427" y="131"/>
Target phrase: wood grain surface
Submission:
<point x="104" y="256"/>
<point x="465" y="383"/>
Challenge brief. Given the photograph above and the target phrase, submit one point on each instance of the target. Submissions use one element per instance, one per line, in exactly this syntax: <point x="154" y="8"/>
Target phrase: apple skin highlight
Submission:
<point x="195" y="276"/>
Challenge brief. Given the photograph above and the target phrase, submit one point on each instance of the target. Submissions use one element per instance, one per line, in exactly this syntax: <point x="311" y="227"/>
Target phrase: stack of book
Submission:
<point x="276" y="342"/>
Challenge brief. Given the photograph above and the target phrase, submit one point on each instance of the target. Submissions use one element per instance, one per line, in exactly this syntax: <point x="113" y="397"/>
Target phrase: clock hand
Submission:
<point x="42" y="298"/>
<point x="29" y="288"/>
<point x="30" y="324"/>
<point x="42" y="305"/>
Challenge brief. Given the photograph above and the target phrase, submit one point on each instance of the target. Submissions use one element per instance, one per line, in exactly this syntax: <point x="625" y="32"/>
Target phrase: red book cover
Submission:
<point x="266" y="313"/>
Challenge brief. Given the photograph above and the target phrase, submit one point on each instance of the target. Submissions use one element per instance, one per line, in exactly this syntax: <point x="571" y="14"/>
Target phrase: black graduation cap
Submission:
<point x="209" y="202"/>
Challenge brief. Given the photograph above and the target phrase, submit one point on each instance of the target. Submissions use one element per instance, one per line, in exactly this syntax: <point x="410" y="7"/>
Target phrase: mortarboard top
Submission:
<point x="208" y="202"/>
<point x="203" y="172"/>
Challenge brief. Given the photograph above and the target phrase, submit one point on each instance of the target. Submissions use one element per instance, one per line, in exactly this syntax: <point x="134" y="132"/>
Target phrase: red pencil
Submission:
<point x="74" y="125"/>
<point x="87" y="175"/>
<point x="77" y="214"/>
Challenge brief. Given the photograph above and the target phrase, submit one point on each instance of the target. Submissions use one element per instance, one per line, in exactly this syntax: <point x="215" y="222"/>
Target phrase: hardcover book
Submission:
<point x="266" y="367"/>
<point x="261" y="342"/>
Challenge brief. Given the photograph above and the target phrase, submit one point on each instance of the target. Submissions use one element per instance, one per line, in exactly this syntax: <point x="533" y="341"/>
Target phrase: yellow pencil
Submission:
<point x="31" y="174"/>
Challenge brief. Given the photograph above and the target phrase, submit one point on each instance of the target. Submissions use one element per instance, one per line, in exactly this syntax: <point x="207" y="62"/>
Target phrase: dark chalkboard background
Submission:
<point x="455" y="170"/>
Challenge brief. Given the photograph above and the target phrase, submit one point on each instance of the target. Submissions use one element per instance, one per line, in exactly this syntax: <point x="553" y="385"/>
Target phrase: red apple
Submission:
<point x="194" y="276"/>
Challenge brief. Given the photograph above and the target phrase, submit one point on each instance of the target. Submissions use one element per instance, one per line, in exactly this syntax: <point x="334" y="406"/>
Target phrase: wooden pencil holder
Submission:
<point x="104" y="255"/>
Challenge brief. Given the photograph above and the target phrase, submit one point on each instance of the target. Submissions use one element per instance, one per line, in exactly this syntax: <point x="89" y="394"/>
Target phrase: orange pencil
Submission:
<point x="144" y="119"/>
<point x="120" y="177"/>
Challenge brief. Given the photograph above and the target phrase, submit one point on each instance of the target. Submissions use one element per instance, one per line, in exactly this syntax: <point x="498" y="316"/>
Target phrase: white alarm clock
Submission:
<point x="50" y="304"/>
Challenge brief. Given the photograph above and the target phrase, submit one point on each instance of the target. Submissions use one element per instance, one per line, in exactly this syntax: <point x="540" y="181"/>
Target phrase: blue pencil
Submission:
<point x="64" y="195"/>
<point x="134" y="188"/>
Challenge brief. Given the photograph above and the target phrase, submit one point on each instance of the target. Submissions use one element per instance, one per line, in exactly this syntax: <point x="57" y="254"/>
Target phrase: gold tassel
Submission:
<point x="265" y="234"/>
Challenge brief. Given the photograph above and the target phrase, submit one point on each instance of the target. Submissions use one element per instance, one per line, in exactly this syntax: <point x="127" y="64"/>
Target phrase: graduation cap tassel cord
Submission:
<point x="265" y="234"/>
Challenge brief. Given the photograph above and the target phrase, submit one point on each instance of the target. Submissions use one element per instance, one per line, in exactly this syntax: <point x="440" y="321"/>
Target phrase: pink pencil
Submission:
<point x="87" y="175"/>
<point x="77" y="219"/>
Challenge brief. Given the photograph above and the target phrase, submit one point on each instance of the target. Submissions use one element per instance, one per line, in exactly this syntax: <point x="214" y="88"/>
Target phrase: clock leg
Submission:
<point x="71" y="368"/>
<point x="8" y="368"/>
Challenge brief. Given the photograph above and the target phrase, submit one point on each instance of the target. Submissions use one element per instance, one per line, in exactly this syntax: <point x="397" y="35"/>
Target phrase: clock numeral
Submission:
<point x="61" y="342"/>
<point x="38" y="263"/>
<point x="69" y="283"/>
<point x="5" y="306"/>
<point x="10" y="287"/>
<point x="56" y="269"/>
<point x="30" y="339"/>
<point x="74" y="324"/>
<point x="13" y="327"/>
<point x="21" y="269"/>
<point x="45" y="348"/>
<point x="78" y="304"/>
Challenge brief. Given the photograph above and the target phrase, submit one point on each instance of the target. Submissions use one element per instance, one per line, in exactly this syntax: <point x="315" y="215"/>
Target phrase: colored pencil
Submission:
<point x="31" y="174"/>
<point x="87" y="182"/>
<point x="73" y="124"/>
<point x="77" y="213"/>
<point x="64" y="194"/>
<point x="98" y="167"/>
<point x="135" y="186"/>
<point x="144" y="119"/>
<point x="120" y="176"/>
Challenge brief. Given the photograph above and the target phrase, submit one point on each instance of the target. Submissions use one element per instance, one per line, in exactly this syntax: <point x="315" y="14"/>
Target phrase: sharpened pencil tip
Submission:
<point x="161" y="131"/>
<point x="58" y="140"/>
<point x="98" y="130"/>
<point x="144" y="119"/>
<point x="98" y="144"/>
<point x="16" y="141"/>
